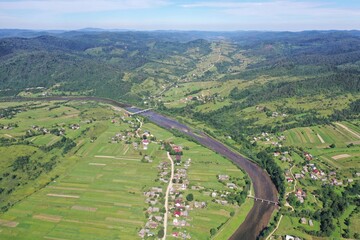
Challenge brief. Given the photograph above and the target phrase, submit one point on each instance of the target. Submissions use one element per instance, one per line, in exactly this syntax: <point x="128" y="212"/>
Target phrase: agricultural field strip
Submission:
<point x="320" y="138"/>
<point x="82" y="189"/>
<point x="348" y="129"/>
<point x="118" y="158"/>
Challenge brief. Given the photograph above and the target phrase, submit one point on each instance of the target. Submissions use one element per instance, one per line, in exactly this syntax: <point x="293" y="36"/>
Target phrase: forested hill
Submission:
<point x="130" y="65"/>
<point x="92" y="63"/>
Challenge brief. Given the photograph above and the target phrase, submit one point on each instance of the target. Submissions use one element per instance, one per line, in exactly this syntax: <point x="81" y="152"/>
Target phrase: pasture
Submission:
<point x="98" y="191"/>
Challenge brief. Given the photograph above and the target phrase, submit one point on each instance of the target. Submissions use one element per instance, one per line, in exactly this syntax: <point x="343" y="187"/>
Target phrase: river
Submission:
<point x="260" y="214"/>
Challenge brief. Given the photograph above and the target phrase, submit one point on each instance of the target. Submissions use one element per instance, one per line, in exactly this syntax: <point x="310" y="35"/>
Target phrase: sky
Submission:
<point x="209" y="15"/>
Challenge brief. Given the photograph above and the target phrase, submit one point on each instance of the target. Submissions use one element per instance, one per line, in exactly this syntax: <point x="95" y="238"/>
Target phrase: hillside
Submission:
<point x="290" y="101"/>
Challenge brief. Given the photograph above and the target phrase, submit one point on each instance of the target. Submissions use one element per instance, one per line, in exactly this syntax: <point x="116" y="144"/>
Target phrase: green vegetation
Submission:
<point x="288" y="101"/>
<point x="90" y="181"/>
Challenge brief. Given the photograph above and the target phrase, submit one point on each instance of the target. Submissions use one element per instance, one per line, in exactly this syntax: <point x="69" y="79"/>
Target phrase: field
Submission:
<point x="335" y="152"/>
<point x="98" y="190"/>
<point x="318" y="139"/>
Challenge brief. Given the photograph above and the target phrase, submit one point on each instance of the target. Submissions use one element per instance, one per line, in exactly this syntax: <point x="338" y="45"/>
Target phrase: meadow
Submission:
<point x="98" y="189"/>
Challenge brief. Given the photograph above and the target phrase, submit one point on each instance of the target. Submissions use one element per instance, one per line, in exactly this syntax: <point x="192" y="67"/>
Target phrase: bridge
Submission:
<point x="142" y="111"/>
<point x="263" y="200"/>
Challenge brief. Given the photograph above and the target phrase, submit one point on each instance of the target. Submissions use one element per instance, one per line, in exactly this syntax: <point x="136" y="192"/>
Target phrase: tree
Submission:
<point x="161" y="233"/>
<point x="332" y="145"/>
<point x="190" y="197"/>
<point x="212" y="231"/>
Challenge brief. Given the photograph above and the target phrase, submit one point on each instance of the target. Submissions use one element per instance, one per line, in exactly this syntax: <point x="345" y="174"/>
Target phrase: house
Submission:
<point x="316" y="172"/>
<point x="145" y="143"/>
<point x="223" y="177"/>
<point x="289" y="237"/>
<point x="289" y="180"/>
<point x="151" y="224"/>
<point x="176" y="222"/>
<point x="184" y="214"/>
<point x="153" y="209"/>
<point x="157" y="189"/>
<point x="177" y="213"/>
<point x="308" y="156"/>
<point x="135" y="145"/>
<point x="74" y="126"/>
<point x="276" y="154"/>
<point x="199" y="204"/>
<point x="301" y="193"/>
<point x="213" y="194"/>
<point x="311" y="223"/>
<point x="303" y="221"/>
<point x="314" y="177"/>
<point x="298" y="175"/>
<point x="177" y="149"/>
<point x="143" y="232"/>
<point x="224" y="202"/>
<point x="231" y="185"/>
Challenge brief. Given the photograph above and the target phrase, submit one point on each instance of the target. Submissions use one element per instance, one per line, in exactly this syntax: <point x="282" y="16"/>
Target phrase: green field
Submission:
<point x="98" y="193"/>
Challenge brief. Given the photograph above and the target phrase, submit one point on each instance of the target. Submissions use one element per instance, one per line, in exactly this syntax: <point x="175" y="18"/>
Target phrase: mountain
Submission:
<point x="89" y="60"/>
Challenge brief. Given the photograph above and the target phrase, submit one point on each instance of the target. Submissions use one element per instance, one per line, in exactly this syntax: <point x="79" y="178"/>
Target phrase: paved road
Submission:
<point x="259" y="216"/>
<point x="167" y="195"/>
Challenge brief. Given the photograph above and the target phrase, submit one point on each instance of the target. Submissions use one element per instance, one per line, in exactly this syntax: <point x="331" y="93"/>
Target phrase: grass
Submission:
<point x="99" y="191"/>
<point x="239" y="217"/>
<point x="289" y="226"/>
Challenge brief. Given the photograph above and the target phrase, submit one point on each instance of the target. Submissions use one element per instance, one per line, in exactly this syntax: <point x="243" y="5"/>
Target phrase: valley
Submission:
<point x="288" y="101"/>
<point x="104" y="186"/>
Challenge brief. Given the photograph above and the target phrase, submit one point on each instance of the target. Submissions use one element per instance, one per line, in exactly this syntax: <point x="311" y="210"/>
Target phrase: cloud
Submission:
<point x="278" y="8"/>
<point x="79" y="6"/>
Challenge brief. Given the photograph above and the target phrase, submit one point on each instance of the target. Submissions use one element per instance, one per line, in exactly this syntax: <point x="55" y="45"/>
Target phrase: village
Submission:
<point x="309" y="163"/>
<point x="180" y="202"/>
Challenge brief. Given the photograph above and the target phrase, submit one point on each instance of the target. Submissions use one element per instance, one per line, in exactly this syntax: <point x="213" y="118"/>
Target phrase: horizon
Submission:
<point x="92" y="29"/>
<point x="181" y="15"/>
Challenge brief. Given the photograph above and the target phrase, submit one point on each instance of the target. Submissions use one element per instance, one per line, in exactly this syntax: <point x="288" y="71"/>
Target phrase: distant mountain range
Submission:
<point x="111" y="63"/>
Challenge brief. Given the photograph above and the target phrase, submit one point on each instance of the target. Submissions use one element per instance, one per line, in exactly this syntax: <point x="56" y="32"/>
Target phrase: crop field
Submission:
<point x="320" y="136"/>
<point x="317" y="140"/>
<point x="98" y="193"/>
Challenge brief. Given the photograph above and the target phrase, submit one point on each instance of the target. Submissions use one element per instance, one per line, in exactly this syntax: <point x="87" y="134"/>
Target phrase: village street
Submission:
<point x="167" y="195"/>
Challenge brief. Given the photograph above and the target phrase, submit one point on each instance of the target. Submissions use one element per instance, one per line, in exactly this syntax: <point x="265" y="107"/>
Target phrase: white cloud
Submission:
<point x="79" y="6"/>
<point x="278" y="8"/>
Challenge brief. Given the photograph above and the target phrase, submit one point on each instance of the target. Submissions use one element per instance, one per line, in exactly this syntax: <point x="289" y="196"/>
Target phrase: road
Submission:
<point x="260" y="214"/>
<point x="167" y="195"/>
<point x="277" y="226"/>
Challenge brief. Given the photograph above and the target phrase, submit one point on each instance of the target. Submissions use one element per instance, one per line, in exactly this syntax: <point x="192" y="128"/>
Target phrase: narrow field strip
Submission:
<point x="341" y="156"/>
<point x="81" y="189"/>
<point x="123" y="220"/>
<point x="83" y="208"/>
<point x="54" y="238"/>
<point x="48" y="218"/>
<point x="61" y="195"/>
<point x="123" y="204"/>
<point x="320" y="138"/>
<point x="118" y="158"/>
<point x="126" y="150"/>
<point x="6" y="223"/>
<point x="97" y="164"/>
<point x="349" y="130"/>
